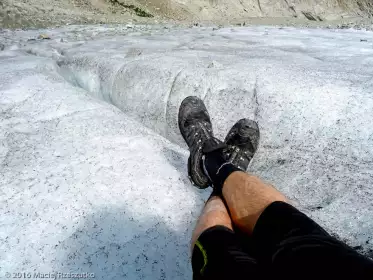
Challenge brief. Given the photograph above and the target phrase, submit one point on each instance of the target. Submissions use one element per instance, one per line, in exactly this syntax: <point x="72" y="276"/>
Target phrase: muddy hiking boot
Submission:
<point x="196" y="128"/>
<point x="242" y="142"/>
<point x="234" y="154"/>
<point x="211" y="161"/>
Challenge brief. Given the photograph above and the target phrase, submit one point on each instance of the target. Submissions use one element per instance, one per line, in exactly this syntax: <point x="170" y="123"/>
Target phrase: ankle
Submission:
<point x="217" y="169"/>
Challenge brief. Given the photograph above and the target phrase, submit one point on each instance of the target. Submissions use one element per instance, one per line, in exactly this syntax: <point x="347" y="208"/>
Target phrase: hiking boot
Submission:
<point x="242" y="141"/>
<point x="196" y="128"/>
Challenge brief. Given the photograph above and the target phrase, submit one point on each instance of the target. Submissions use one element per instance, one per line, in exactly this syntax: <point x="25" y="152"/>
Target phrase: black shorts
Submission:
<point x="285" y="244"/>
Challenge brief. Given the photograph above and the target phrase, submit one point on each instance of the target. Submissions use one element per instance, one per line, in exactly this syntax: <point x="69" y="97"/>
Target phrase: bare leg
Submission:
<point x="247" y="197"/>
<point x="214" y="214"/>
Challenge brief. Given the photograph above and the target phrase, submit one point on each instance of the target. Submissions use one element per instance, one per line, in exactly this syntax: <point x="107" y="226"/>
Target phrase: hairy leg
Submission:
<point x="214" y="214"/>
<point x="247" y="196"/>
<point x="286" y="239"/>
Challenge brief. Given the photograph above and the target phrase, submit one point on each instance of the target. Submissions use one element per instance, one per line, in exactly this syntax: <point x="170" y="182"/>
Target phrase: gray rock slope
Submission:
<point x="315" y="10"/>
<point x="36" y="13"/>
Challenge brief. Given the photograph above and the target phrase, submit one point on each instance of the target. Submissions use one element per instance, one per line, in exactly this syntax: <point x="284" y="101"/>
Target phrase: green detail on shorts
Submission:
<point x="204" y="254"/>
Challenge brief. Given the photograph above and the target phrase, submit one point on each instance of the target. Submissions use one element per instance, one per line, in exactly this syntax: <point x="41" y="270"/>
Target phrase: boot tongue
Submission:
<point x="212" y="144"/>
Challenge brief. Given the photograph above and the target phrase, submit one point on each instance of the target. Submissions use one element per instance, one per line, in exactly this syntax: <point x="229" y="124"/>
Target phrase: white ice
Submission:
<point x="93" y="168"/>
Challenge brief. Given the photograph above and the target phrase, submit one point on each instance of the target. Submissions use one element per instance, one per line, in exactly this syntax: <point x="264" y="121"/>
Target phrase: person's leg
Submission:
<point x="247" y="196"/>
<point x="216" y="250"/>
<point x="287" y="241"/>
<point x="213" y="214"/>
